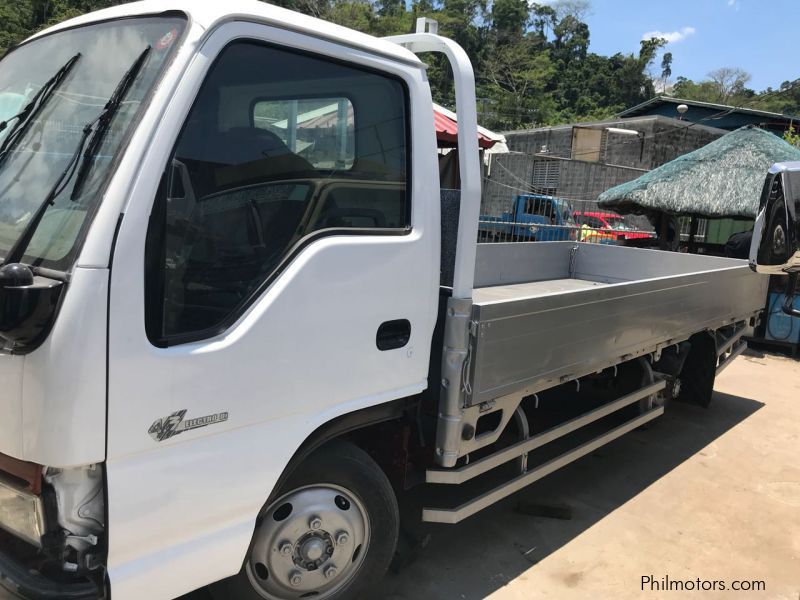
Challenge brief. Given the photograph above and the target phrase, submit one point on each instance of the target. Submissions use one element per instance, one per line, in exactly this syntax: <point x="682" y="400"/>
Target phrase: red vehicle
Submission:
<point x="611" y="224"/>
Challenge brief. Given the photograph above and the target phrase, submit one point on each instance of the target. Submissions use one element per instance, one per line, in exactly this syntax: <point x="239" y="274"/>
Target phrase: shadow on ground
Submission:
<point x="474" y="558"/>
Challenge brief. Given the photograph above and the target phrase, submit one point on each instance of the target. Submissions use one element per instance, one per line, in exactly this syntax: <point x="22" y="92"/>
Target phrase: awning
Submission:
<point x="446" y="125"/>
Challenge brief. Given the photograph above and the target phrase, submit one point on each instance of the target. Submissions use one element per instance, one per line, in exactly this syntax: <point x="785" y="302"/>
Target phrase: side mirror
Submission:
<point x="27" y="306"/>
<point x="775" y="248"/>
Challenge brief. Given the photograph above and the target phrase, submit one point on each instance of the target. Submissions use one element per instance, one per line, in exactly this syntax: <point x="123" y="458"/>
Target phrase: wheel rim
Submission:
<point x="309" y="544"/>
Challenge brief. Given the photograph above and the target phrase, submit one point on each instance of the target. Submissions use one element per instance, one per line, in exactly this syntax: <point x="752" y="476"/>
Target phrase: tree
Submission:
<point x="705" y="91"/>
<point x="571" y="40"/>
<point x="532" y="61"/>
<point x="666" y="70"/>
<point x="791" y="136"/>
<point x="15" y="19"/>
<point x="544" y="19"/>
<point x="509" y="18"/>
<point x="648" y="49"/>
<point x="729" y="82"/>
<point x="728" y="85"/>
<point x="391" y="7"/>
<point x="577" y="9"/>
<point x="22" y="18"/>
<point x="516" y="80"/>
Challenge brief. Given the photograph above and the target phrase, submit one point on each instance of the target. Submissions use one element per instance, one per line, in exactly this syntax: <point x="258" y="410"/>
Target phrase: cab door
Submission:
<point x="273" y="231"/>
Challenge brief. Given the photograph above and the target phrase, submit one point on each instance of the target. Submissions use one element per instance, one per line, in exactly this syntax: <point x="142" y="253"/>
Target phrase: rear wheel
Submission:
<point x="699" y="371"/>
<point x="329" y="533"/>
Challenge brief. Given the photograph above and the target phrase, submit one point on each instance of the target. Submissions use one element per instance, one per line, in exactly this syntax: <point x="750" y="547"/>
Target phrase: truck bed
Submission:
<point x="549" y="312"/>
<point x="514" y="291"/>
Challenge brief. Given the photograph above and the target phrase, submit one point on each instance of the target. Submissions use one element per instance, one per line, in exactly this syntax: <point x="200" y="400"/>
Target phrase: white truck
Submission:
<point x="237" y="320"/>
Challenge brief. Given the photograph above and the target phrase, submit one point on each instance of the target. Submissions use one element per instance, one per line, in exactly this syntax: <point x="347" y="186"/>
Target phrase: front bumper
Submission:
<point x="20" y="582"/>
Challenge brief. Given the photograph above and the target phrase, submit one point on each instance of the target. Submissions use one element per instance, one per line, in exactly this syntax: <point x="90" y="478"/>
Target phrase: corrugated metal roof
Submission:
<point x="447" y="130"/>
<point x="658" y="100"/>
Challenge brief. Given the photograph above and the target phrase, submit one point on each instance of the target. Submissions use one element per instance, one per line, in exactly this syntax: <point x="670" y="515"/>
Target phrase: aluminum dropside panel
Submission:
<point x="541" y="339"/>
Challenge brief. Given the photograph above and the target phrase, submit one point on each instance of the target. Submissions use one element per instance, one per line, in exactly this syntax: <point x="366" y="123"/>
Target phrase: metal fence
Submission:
<point x="528" y="217"/>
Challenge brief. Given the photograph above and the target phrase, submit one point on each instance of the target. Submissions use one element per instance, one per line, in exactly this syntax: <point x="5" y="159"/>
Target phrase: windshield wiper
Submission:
<point x="103" y="120"/>
<point x="25" y="118"/>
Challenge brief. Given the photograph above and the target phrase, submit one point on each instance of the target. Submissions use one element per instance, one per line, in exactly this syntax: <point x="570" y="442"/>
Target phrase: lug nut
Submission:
<point x="286" y="549"/>
<point x="330" y="572"/>
<point x="315" y="523"/>
<point x="341" y="538"/>
<point x="295" y="578"/>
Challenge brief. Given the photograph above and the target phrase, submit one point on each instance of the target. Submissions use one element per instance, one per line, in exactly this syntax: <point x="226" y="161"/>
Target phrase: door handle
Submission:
<point x="393" y="334"/>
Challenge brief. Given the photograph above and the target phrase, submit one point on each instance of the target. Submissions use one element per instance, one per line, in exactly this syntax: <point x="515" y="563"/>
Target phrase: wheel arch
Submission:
<point x="342" y="426"/>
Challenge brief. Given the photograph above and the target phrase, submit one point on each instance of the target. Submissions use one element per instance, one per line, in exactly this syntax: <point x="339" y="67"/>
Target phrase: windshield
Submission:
<point x="39" y="149"/>
<point x="619" y="224"/>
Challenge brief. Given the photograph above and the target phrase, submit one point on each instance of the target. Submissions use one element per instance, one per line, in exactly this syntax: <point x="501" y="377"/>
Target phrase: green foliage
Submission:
<point x="21" y="18"/>
<point x="729" y="86"/>
<point x="666" y="65"/>
<point x="790" y="136"/>
<point x="509" y="19"/>
<point x="15" y="22"/>
<point x="532" y="61"/>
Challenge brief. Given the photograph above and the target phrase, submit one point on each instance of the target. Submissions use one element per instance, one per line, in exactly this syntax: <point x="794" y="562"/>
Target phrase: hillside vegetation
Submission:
<point x="532" y="61"/>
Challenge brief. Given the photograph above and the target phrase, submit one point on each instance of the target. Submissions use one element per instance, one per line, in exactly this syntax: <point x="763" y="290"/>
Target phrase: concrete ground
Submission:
<point x="708" y="494"/>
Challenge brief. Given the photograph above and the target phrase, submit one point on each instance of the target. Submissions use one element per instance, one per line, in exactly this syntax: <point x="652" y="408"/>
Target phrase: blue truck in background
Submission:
<point x="533" y="217"/>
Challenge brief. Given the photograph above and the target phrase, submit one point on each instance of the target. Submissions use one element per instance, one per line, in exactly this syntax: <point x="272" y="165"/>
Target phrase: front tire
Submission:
<point x="329" y="533"/>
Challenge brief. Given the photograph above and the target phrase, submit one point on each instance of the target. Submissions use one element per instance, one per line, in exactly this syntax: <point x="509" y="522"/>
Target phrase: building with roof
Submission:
<point x="719" y="116"/>
<point x="579" y="161"/>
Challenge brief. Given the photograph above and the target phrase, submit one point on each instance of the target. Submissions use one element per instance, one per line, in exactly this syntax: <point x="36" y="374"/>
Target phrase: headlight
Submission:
<point x="533" y="229"/>
<point x="21" y="513"/>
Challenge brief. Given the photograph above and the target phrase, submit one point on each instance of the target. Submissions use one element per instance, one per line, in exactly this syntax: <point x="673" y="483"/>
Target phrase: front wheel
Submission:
<point x="329" y="533"/>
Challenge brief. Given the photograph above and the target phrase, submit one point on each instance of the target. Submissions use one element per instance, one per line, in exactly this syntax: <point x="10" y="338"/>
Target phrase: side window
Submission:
<point x="538" y="206"/>
<point x="321" y="130"/>
<point x="279" y="148"/>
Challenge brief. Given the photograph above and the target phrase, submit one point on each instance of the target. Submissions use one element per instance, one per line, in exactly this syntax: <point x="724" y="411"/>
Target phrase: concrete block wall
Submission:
<point x="661" y="139"/>
<point x="623" y="158"/>
<point x="579" y="181"/>
<point x="508" y="176"/>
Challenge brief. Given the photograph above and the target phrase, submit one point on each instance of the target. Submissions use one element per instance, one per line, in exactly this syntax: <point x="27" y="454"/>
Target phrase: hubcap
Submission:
<point x="310" y="542"/>
<point x="313" y="549"/>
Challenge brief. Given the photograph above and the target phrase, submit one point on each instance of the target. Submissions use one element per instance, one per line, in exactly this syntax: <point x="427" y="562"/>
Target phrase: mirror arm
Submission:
<point x="791" y="291"/>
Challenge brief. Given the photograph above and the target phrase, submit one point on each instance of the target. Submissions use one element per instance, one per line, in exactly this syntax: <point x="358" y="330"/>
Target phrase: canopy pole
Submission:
<point x="692" y="234"/>
<point x="663" y="232"/>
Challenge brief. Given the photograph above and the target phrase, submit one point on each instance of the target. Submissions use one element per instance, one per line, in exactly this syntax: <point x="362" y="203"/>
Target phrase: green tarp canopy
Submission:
<point x="721" y="179"/>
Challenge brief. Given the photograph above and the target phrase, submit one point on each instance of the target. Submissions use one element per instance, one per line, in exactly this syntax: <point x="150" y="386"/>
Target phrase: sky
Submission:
<point x="759" y="36"/>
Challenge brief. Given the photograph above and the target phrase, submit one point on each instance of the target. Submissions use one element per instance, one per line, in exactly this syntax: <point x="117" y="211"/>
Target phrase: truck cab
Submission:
<point x="252" y="181"/>
<point x="533" y="217"/>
